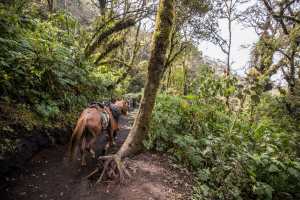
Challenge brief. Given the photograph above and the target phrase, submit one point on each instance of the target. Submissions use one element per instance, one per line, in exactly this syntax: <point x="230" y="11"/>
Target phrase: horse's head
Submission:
<point x="123" y="105"/>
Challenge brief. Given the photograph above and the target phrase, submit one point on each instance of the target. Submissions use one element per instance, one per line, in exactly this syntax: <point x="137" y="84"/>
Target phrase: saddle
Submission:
<point x="116" y="113"/>
<point x="96" y="104"/>
<point x="104" y="116"/>
<point x="114" y="109"/>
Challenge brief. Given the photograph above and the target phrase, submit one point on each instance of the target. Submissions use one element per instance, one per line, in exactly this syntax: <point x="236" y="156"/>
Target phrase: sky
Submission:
<point x="241" y="35"/>
<point x="240" y="56"/>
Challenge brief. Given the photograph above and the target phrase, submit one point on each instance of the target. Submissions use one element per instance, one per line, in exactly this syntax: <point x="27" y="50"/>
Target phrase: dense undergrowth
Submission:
<point x="233" y="157"/>
<point x="44" y="79"/>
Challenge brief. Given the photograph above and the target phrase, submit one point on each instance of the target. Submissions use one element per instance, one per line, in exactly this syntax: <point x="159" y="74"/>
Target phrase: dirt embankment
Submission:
<point x="27" y="147"/>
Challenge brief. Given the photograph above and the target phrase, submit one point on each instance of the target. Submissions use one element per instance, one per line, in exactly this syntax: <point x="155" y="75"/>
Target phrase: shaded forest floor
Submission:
<point x="49" y="175"/>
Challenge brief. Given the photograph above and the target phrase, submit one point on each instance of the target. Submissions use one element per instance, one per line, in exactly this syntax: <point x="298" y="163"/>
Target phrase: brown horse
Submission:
<point x="91" y="124"/>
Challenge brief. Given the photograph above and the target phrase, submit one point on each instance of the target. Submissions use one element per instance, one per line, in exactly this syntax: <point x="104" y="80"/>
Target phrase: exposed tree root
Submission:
<point x="113" y="168"/>
<point x="92" y="173"/>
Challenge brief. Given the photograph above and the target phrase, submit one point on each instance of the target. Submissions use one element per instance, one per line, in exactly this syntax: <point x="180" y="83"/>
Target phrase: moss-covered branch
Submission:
<point x="116" y="27"/>
<point x="109" y="48"/>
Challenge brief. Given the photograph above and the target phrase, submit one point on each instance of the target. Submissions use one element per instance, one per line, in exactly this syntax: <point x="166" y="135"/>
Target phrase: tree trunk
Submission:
<point x="229" y="46"/>
<point x="50" y="5"/>
<point x="185" y="75"/>
<point x="169" y="78"/>
<point x="230" y="14"/>
<point x="160" y="43"/>
<point x="102" y="5"/>
<point x="292" y="74"/>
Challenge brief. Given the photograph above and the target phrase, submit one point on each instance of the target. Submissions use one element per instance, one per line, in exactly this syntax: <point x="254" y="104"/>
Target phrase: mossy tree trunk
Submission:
<point x="159" y="46"/>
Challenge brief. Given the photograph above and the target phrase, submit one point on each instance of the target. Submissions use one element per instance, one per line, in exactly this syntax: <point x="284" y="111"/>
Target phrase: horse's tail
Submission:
<point x="76" y="136"/>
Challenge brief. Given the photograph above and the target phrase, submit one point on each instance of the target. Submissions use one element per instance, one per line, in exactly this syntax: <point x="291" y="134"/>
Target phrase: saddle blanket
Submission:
<point x="104" y="119"/>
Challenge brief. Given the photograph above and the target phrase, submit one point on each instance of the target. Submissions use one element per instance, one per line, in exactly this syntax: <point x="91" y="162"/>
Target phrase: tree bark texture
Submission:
<point x="159" y="46"/>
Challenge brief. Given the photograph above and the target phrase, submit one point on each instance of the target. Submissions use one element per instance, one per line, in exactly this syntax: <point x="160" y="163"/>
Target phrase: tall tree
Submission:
<point x="156" y="68"/>
<point x="278" y="25"/>
<point x="207" y="27"/>
<point x="50" y="5"/>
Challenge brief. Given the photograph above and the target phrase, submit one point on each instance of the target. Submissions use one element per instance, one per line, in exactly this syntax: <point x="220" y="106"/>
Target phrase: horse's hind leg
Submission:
<point x="82" y="152"/>
<point x="111" y="138"/>
<point x="91" y="145"/>
<point x="115" y="133"/>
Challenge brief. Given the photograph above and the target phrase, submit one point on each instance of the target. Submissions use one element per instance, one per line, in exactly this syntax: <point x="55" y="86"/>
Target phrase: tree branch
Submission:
<point x="118" y="26"/>
<point x="110" y="47"/>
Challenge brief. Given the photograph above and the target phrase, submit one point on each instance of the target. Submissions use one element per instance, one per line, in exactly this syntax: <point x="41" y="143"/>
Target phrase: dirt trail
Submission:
<point x="50" y="176"/>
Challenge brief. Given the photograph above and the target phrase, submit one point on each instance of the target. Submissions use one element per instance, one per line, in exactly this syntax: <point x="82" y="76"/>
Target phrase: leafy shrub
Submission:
<point x="47" y="111"/>
<point x="41" y="60"/>
<point x="232" y="157"/>
<point x="42" y="67"/>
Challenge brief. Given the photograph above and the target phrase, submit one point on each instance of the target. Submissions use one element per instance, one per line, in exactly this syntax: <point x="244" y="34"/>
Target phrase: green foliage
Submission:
<point x="208" y="85"/>
<point x="42" y="61"/>
<point x="48" y="110"/>
<point x="45" y="79"/>
<point x="233" y="157"/>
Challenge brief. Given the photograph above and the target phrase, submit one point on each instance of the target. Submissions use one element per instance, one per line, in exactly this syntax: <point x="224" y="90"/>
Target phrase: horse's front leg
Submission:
<point x="91" y="146"/>
<point x="96" y="131"/>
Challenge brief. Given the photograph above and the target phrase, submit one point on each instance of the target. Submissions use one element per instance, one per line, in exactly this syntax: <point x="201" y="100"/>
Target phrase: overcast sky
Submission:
<point x="239" y="56"/>
<point x="240" y="36"/>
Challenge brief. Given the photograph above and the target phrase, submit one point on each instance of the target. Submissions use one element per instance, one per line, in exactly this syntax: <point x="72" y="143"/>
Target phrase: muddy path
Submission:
<point x="49" y="175"/>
